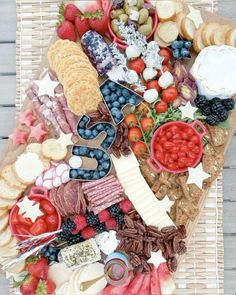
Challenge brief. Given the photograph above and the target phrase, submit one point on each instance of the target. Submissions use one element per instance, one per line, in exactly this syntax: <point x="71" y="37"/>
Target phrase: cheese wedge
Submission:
<point x="5" y="236"/>
<point x="166" y="10"/>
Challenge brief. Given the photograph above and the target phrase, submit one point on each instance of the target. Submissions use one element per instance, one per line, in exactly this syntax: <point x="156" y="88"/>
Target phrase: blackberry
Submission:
<point x="120" y="219"/>
<point x="200" y="101"/>
<point x="74" y="239"/>
<point x="228" y="104"/>
<point x="213" y="120"/>
<point x="91" y="219"/>
<point x="63" y="236"/>
<point x="68" y="225"/>
<point x="217" y="108"/>
<point x="223" y="116"/>
<point x="114" y="210"/>
<point x="216" y="100"/>
<point x="99" y="227"/>
<point x="206" y="111"/>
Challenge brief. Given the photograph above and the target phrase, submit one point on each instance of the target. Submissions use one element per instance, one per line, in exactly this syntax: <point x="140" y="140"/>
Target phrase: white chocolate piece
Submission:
<point x="61" y="168"/>
<point x="75" y="162"/>
<point x="48" y="184"/>
<point x="150" y="95"/>
<point x="65" y="177"/>
<point x="166" y="80"/>
<point x="149" y="74"/>
<point x="56" y="181"/>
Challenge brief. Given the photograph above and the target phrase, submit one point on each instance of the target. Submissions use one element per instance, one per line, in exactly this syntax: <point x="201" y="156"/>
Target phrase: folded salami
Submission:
<point x="98" y="51"/>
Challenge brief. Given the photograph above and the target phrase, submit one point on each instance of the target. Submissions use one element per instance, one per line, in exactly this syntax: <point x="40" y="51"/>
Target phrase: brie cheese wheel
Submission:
<point x="215" y="71"/>
<point x="59" y="274"/>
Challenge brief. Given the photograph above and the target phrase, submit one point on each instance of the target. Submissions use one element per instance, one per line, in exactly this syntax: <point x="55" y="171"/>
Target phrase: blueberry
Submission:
<point x="82" y="124"/>
<point x="112" y="86"/>
<point x="105" y="91"/>
<point x="102" y="173"/>
<point x="99" y="127"/>
<point x="105" y="157"/>
<point x="184" y="52"/>
<point x="121" y="100"/>
<point x="115" y="104"/>
<point x="107" y="98"/>
<point x="44" y="250"/>
<point x="99" y="154"/>
<point x="80" y="172"/>
<point x="114" y="111"/>
<point x="118" y="92"/>
<point x="81" y="132"/>
<point x="105" y="145"/>
<point x="110" y="139"/>
<point x="125" y="93"/>
<point x="87" y="133"/>
<point x="106" y="165"/>
<point x="86" y="175"/>
<point x="119" y="116"/>
<point x="176" y="54"/>
<point x="47" y="254"/>
<point x="117" y="120"/>
<point x="82" y="151"/>
<point x="99" y="168"/>
<point x="85" y="119"/>
<point x="110" y="132"/>
<point x="52" y="257"/>
<point x="95" y="175"/>
<point x="95" y="132"/>
<point x="176" y="45"/>
<point x="113" y="97"/>
<point x="92" y="154"/>
<point x="73" y="174"/>
<point x="132" y="101"/>
<point x="51" y="250"/>
<point x="109" y="105"/>
<point x="187" y="44"/>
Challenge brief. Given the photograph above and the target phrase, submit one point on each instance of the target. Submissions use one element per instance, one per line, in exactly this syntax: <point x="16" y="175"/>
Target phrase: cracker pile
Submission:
<point x="76" y="74"/>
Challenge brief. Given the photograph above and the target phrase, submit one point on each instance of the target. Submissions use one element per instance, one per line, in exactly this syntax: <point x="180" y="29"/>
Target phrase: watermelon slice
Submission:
<point x="145" y="288"/>
<point x="166" y="281"/>
<point x="117" y="290"/>
<point x="155" y="282"/>
<point x="135" y="285"/>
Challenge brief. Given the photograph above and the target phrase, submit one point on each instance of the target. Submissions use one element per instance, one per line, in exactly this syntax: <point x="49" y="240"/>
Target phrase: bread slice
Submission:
<point x="230" y="37"/>
<point x="5" y="237"/>
<point x="168" y="31"/>
<point x="218" y="37"/>
<point x="9" y="175"/>
<point x="159" y="41"/>
<point x="188" y="28"/>
<point x="51" y="149"/>
<point x="207" y="32"/>
<point x="197" y="40"/>
<point x="9" y="251"/>
<point x="3" y="212"/>
<point x="6" y="204"/>
<point x="3" y="223"/>
<point x="165" y="10"/>
<point x="179" y="6"/>
<point x="179" y="17"/>
<point x="18" y="268"/>
<point x="9" y="192"/>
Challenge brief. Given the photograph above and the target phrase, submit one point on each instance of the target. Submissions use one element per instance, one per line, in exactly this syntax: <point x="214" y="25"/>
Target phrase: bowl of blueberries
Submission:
<point x="181" y="48"/>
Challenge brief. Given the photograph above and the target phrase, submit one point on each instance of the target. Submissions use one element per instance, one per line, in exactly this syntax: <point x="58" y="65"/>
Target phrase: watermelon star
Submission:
<point x="27" y="118"/>
<point x="38" y="132"/>
<point x="18" y="136"/>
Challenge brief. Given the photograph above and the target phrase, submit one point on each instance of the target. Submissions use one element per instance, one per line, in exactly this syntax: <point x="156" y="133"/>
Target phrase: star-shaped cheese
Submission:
<point x="27" y="118"/>
<point x="18" y="136"/>
<point x="25" y="205"/>
<point x="166" y="204"/>
<point x="188" y="111"/>
<point x="33" y="213"/>
<point x="38" y="132"/>
<point x="195" y="16"/>
<point x="65" y="140"/>
<point x="197" y="175"/>
<point x="46" y="86"/>
<point x="156" y="258"/>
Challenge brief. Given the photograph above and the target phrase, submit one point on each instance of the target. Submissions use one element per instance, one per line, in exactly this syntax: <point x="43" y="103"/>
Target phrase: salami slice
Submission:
<point x="71" y="196"/>
<point x="90" y="184"/>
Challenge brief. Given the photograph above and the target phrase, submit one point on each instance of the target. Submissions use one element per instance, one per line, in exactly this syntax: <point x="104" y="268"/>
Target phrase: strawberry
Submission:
<point x="111" y="223"/>
<point x="39" y="227"/>
<point x="66" y="31"/>
<point x="104" y="215"/>
<point x="93" y="6"/>
<point x="80" y="223"/>
<point x="71" y="12"/>
<point x="88" y="232"/>
<point x="126" y="206"/>
<point x="82" y="25"/>
<point x="98" y="22"/>
<point x="28" y="286"/>
<point x="37" y="267"/>
<point x="137" y="65"/>
<point x="46" y="287"/>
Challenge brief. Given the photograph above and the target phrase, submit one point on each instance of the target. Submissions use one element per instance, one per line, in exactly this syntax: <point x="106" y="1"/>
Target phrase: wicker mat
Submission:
<point x="202" y="270"/>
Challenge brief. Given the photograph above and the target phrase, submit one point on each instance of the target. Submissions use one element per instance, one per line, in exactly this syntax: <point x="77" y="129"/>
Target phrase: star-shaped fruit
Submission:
<point x="33" y="213"/>
<point x="156" y="258"/>
<point x="65" y="140"/>
<point x="38" y="132"/>
<point x="166" y="203"/>
<point x="25" y="205"/>
<point x="46" y="86"/>
<point x="18" y="136"/>
<point x="197" y="175"/>
<point x="195" y="16"/>
<point x="188" y="111"/>
<point x="27" y="118"/>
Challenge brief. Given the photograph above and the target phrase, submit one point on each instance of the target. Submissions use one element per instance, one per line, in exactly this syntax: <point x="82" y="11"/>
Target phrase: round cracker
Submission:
<point x="51" y="149"/>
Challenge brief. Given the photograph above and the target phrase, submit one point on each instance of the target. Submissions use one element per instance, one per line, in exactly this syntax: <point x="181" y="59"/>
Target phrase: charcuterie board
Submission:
<point x="13" y="158"/>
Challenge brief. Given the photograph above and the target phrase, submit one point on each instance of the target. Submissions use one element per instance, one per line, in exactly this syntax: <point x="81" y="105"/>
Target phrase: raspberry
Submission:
<point x="88" y="232"/>
<point x="104" y="215"/>
<point x="126" y="206"/>
<point x="80" y="223"/>
<point x="111" y="223"/>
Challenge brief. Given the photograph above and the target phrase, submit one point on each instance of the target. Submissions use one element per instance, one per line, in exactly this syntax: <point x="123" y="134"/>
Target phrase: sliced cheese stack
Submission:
<point x="139" y="193"/>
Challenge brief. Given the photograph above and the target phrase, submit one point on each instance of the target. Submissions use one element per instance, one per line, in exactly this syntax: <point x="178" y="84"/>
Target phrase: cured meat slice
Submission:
<point x="108" y="192"/>
<point x="109" y="196"/>
<point x="90" y="184"/>
<point x="92" y="195"/>
<point x="81" y="205"/>
<point x="71" y="196"/>
<point x="59" y="199"/>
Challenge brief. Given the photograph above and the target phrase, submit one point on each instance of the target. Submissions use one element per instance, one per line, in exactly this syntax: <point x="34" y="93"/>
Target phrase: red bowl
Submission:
<point x="36" y="192"/>
<point x="156" y="166"/>
<point x="120" y="43"/>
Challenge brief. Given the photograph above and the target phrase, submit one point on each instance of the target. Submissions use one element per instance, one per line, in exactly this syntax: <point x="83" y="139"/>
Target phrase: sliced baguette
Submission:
<point x="188" y="28"/>
<point x="165" y="10"/>
<point x="3" y="223"/>
<point x="179" y="7"/>
<point x="230" y="37"/>
<point x="3" y="213"/>
<point x="218" y="37"/>
<point x="9" y="251"/>
<point x="159" y="41"/>
<point x="168" y="31"/>
<point x="9" y="175"/>
<point x="5" y="237"/>
<point x="197" y="40"/>
<point x="9" y="192"/>
<point x="207" y="32"/>
<point x="179" y="17"/>
<point x="6" y="204"/>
